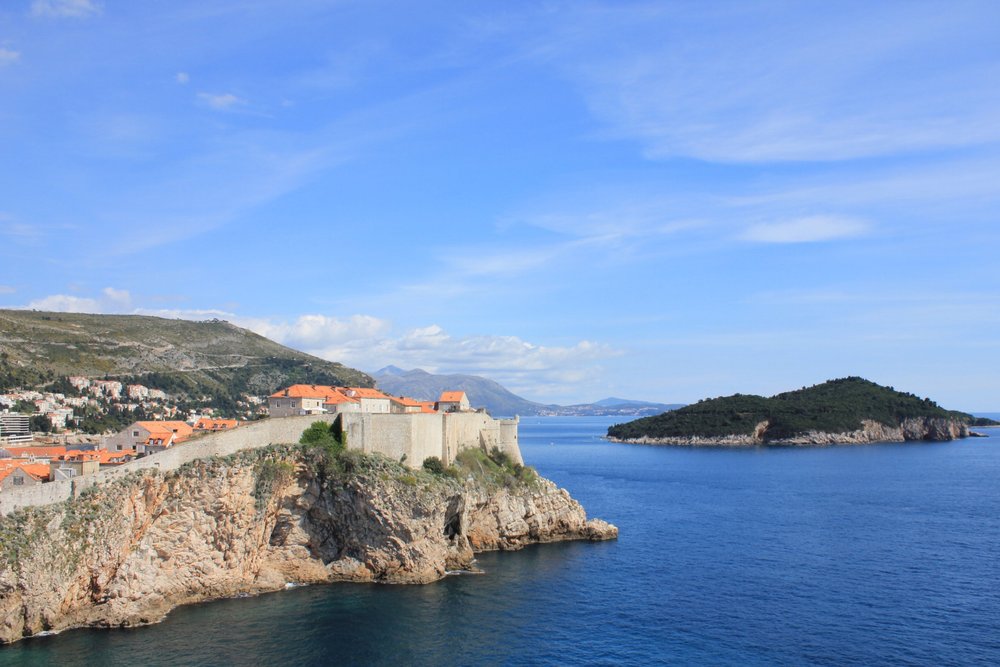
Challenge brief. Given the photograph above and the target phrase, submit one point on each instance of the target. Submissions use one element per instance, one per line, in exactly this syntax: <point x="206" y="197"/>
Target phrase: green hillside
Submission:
<point x="837" y="406"/>
<point x="184" y="358"/>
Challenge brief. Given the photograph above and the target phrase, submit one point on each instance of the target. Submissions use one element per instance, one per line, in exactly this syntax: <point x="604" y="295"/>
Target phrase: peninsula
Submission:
<point x="125" y="550"/>
<point x="211" y="462"/>
<point x="850" y="410"/>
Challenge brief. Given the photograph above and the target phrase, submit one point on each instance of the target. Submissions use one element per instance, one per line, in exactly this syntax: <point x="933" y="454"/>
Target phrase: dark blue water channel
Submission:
<point x="883" y="554"/>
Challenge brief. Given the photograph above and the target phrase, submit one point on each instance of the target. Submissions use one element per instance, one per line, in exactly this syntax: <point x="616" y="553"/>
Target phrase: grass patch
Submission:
<point x="494" y="469"/>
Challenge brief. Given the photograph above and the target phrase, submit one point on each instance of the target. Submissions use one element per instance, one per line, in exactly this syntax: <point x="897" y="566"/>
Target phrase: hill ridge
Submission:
<point x="182" y="357"/>
<point x="497" y="399"/>
<point x="850" y="405"/>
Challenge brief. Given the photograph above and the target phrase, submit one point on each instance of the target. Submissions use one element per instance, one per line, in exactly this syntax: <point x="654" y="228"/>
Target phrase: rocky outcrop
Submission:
<point x="127" y="552"/>
<point x="919" y="429"/>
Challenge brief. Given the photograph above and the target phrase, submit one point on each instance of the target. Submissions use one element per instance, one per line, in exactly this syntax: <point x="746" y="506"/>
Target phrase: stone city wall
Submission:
<point x="415" y="436"/>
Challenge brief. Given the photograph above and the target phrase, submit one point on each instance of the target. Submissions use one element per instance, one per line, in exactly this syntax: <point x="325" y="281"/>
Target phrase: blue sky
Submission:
<point x="664" y="201"/>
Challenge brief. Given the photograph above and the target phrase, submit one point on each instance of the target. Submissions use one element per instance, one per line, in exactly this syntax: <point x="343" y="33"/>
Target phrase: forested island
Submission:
<point x="844" y="411"/>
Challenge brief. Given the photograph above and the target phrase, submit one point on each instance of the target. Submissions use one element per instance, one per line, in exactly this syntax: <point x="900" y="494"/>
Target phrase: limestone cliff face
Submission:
<point x="926" y="429"/>
<point x="128" y="552"/>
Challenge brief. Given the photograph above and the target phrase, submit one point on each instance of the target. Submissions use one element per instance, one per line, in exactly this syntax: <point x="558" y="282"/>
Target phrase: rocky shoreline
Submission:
<point x="909" y="430"/>
<point x="126" y="553"/>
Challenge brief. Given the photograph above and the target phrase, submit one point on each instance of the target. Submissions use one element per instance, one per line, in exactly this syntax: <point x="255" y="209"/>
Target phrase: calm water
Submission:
<point x="828" y="556"/>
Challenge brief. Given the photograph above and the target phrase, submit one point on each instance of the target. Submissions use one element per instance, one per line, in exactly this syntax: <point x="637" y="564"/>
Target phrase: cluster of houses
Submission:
<point x="60" y="409"/>
<point x="24" y="464"/>
<point x="314" y="399"/>
<point x="57" y="407"/>
<point x="28" y="465"/>
<point x="63" y="411"/>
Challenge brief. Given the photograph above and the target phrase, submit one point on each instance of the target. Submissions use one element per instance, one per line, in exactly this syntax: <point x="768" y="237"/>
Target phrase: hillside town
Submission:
<point x="31" y="456"/>
<point x="81" y="405"/>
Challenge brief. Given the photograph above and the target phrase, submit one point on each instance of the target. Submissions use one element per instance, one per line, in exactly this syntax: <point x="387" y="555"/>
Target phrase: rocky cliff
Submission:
<point x="127" y="552"/>
<point x="914" y="429"/>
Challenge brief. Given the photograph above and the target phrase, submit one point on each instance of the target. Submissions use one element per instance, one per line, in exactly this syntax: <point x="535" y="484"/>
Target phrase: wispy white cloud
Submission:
<point x="320" y="334"/>
<point x="194" y="314"/>
<point x="8" y="56"/>
<point x="221" y="101"/>
<point x="122" y="135"/>
<point x="182" y="78"/>
<point x="119" y="298"/>
<point x="810" y="229"/>
<point x="7" y="289"/>
<point x="731" y="84"/>
<point x="65" y="8"/>
<point x="19" y="232"/>
<point x="368" y="342"/>
<point x="111" y="300"/>
<point x="66" y="303"/>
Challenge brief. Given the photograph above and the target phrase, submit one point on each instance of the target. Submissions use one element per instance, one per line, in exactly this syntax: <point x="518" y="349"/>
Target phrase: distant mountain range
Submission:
<point x="498" y="400"/>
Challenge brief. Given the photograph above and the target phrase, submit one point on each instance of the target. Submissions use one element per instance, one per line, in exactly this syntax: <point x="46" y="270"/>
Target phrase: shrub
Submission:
<point x="495" y="468"/>
<point x="432" y="464"/>
<point x="501" y="458"/>
<point x="324" y="436"/>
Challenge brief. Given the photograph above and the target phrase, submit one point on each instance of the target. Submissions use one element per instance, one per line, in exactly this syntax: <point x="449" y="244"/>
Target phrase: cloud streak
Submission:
<point x="218" y="101"/>
<point x="8" y="56"/>
<point x="730" y="84"/>
<point x="811" y="229"/>
<point x="111" y="301"/>
<point x="65" y="8"/>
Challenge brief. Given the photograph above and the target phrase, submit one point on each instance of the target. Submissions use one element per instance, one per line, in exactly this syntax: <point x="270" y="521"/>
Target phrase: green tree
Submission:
<point x="322" y="435"/>
<point x="41" y="423"/>
<point x="433" y="464"/>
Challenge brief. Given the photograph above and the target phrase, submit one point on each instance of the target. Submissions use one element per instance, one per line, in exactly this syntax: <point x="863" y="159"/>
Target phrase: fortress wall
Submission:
<point x="417" y="436"/>
<point x="249" y="436"/>
<point x="29" y="496"/>
<point x="462" y="430"/>
<point x="427" y="439"/>
<point x="508" y="439"/>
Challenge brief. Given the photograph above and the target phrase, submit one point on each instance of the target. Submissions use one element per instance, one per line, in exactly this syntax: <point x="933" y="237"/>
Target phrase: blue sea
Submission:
<point x="868" y="555"/>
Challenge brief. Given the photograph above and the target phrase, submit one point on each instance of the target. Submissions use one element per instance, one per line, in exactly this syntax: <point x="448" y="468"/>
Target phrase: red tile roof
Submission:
<point x="205" y="424"/>
<point x="306" y="391"/>
<point x="337" y="398"/>
<point x="365" y="392"/>
<point x="407" y="401"/>
<point x="36" y="452"/>
<point x="39" y="471"/>
<point x="157" y="429"/>
<point x="451" y="397"/>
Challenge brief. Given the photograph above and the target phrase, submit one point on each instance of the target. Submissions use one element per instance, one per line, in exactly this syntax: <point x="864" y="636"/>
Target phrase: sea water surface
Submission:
<point x="879" y="554"/>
